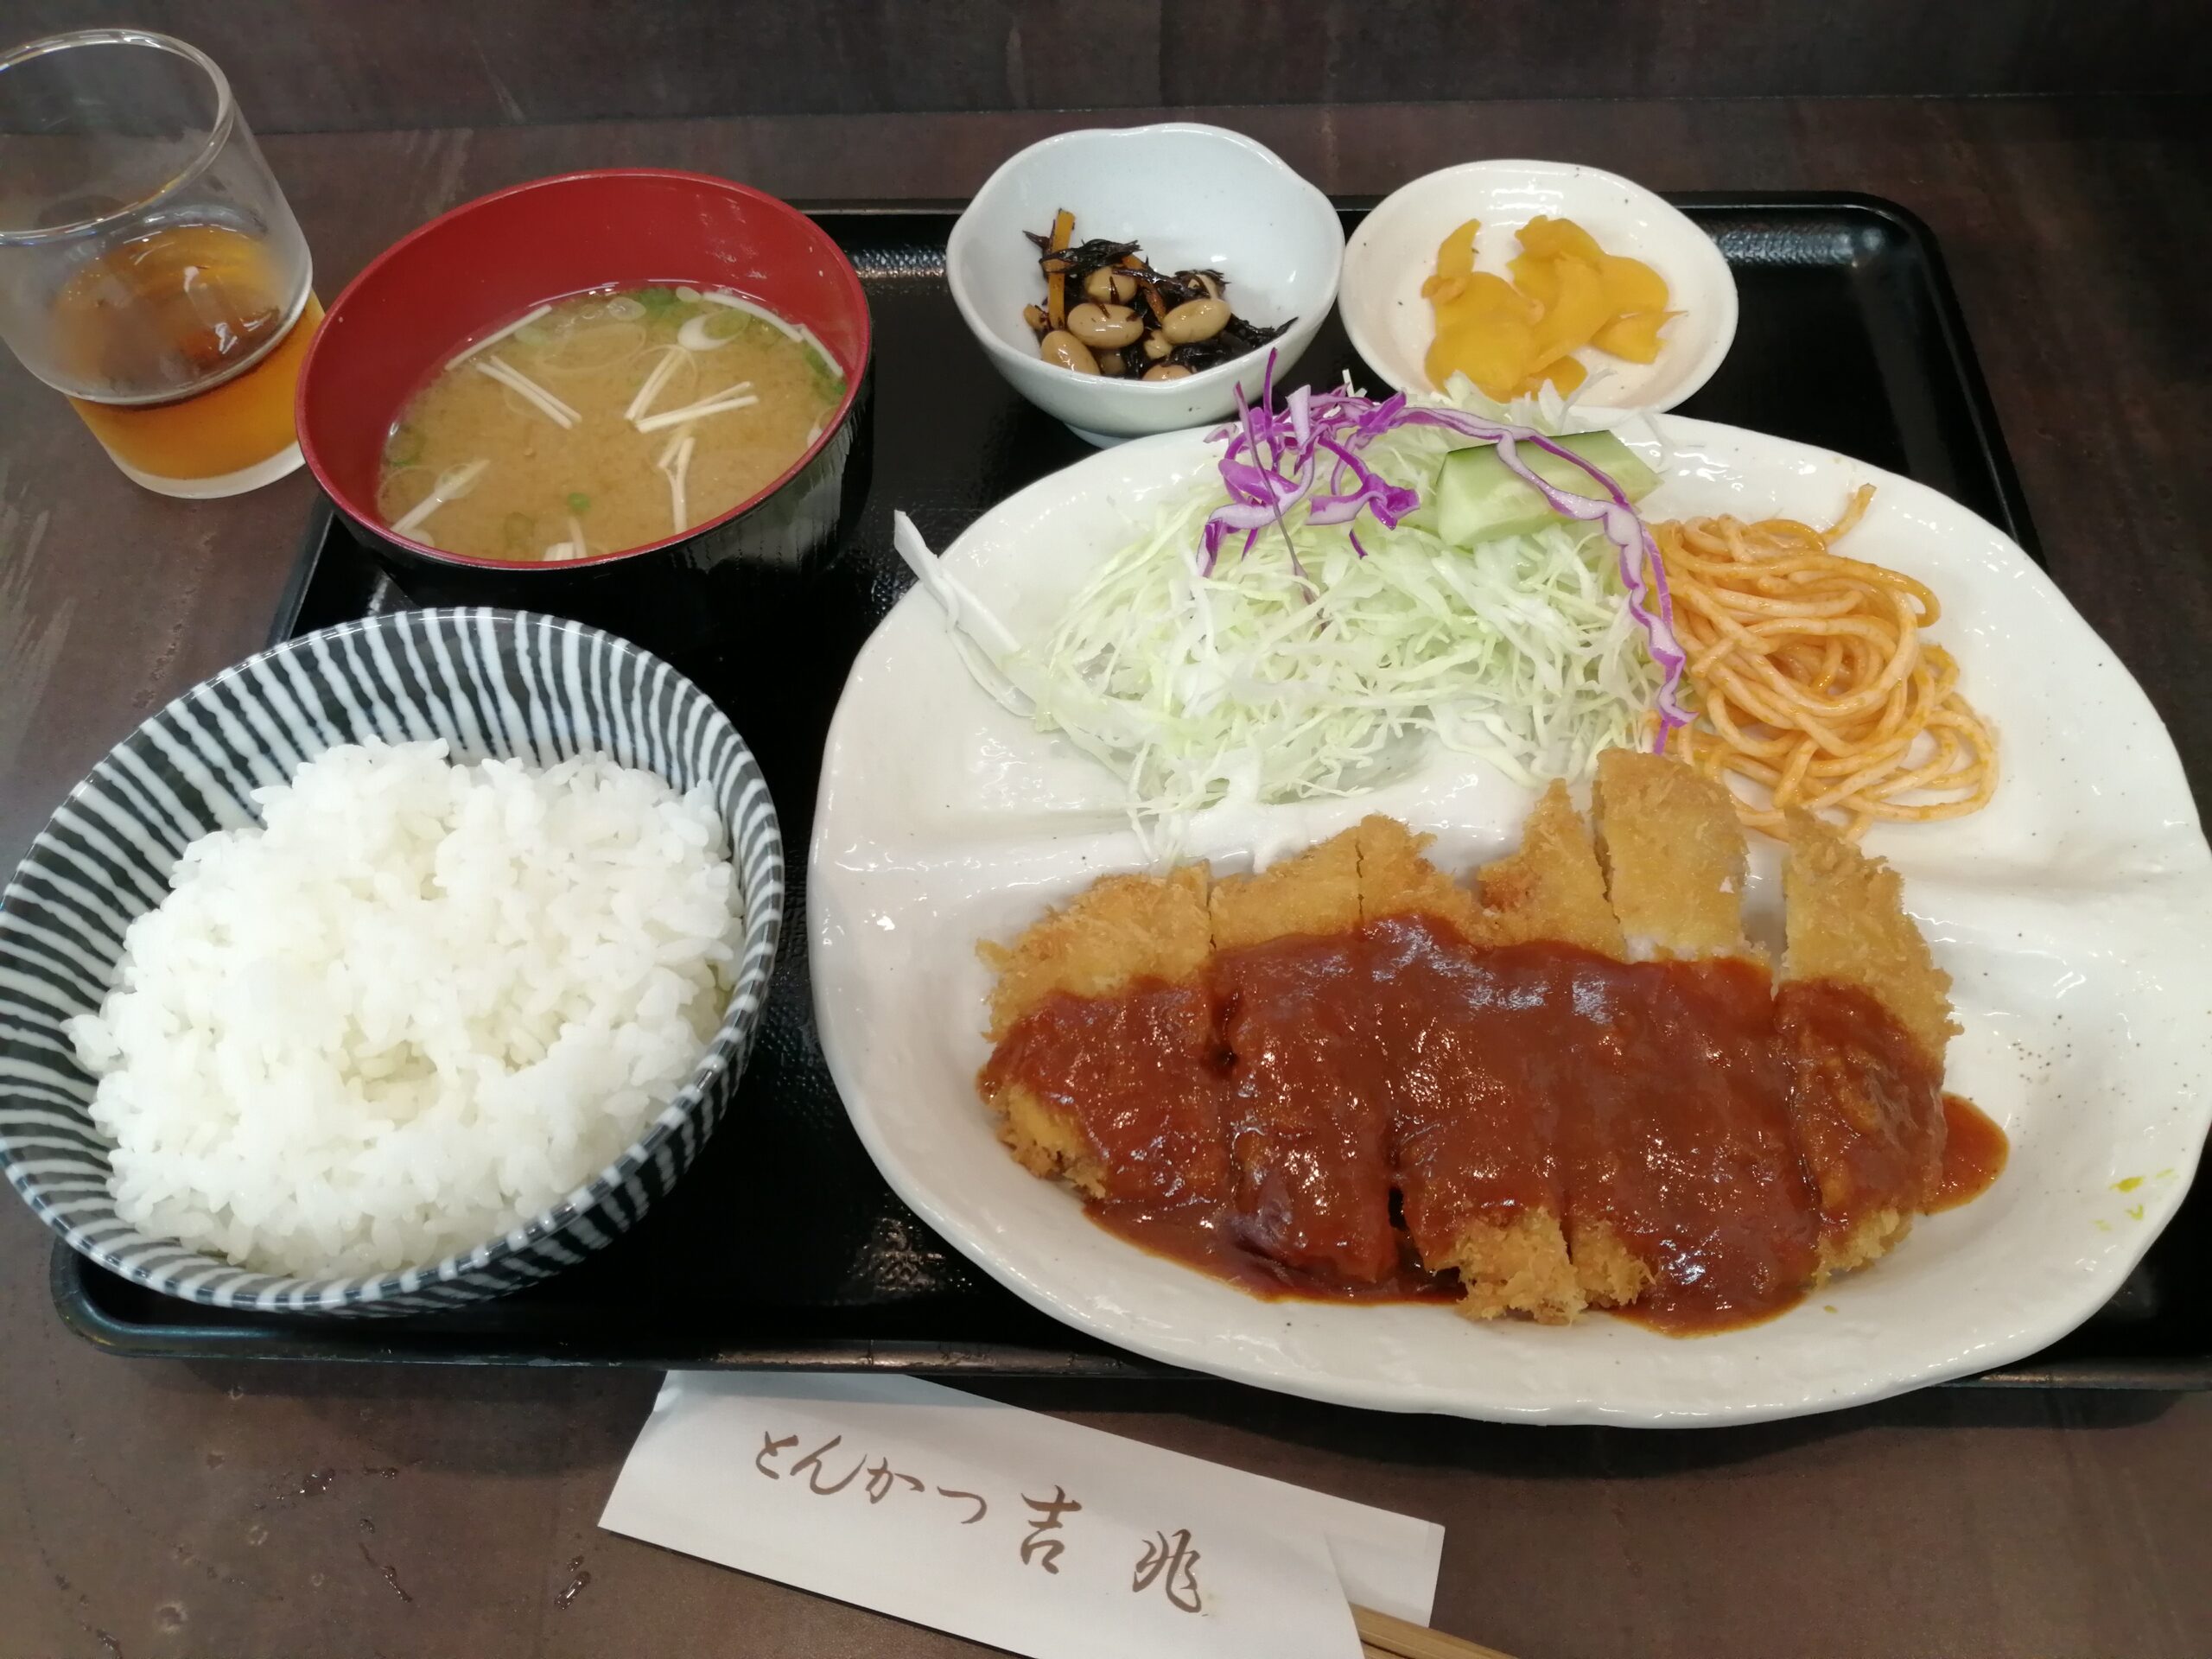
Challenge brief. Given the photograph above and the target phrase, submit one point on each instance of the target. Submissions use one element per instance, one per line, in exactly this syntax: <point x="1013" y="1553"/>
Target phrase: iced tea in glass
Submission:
<point x="150" y="268"/>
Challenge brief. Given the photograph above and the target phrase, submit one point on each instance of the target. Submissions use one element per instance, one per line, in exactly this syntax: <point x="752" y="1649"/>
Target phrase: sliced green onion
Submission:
<point x="828" y="378"/>
<point x="579" y="502"/>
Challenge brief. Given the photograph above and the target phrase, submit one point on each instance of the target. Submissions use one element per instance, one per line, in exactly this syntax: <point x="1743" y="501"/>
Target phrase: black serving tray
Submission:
<point x="782" y="1247"/>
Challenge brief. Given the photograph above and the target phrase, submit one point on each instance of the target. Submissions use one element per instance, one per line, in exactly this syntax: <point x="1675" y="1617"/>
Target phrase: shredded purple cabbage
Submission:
<point x="1276" y="459"/>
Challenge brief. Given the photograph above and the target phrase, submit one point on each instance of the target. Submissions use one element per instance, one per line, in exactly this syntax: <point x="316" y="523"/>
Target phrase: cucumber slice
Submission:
<point x="1480" y="500"/>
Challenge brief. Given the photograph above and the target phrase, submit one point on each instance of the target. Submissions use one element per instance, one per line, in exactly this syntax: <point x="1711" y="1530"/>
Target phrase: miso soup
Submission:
<point x="605" y="421"/>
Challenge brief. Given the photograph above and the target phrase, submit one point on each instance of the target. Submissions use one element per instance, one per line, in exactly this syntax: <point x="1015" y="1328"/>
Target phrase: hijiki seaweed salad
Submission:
<point x="1354" y="578"/>
<point x="1108" y="312"/>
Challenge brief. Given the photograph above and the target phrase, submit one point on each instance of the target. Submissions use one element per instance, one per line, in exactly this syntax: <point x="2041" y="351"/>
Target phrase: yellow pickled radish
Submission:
<point x="1561" y="236"/>
<point x="1635" y="336"/>
<point x="1481" y="294"/>
<point x="1455" y="255"/>
<point x="1630" y="285"/>
<point x="1579" y="313"/>
<point x="1566" y="374"/>
<point x="1513" y="338"/>
<point x="1492" y="351"/>
<point x="1535" y="275"/>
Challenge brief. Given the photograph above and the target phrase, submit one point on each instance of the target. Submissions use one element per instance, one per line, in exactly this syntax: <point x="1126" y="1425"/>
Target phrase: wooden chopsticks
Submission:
<point x="1382" y="1636"/>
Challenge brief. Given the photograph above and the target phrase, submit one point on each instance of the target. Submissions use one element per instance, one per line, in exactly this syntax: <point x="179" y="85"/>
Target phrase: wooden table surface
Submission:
<point x="238" y="1512"/>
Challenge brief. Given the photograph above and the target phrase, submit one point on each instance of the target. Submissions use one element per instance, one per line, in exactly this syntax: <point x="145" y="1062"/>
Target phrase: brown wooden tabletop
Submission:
<point x="150" y="1509"/>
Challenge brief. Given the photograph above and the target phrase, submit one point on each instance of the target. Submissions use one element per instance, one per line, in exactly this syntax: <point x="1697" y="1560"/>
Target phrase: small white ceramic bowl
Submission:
<point x="1393" y="251"/>
<point x="1196" y="198"/>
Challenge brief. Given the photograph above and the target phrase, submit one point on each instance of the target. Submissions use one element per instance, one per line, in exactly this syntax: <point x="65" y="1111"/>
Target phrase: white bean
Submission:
<point x="1195" y="320"/>
<point x="1064" y="348"/>
<point x="1104" y="326"/>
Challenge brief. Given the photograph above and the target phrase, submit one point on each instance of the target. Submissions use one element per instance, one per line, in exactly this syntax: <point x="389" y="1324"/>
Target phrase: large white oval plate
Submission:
<point x="2071" y="914"/>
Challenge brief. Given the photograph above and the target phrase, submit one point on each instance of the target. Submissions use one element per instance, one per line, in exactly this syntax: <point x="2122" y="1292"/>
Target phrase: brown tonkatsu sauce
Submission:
<point x="1368" y="1094"/>
<point x="1680" y="1139"/>
<point x="1203" y="1235"/>
<point x="1974" y="1151"/>
<point x="1142" y="1073"/>
<point x="1308" y="1109"/>
<point x="1474" y="1102"/>
<point x="1868" y="1107"/>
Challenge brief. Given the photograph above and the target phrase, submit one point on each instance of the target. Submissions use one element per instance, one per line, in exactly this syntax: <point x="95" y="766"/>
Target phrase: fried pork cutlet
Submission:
<point x="1477" y="1178"/>
<point x="1844" y="919"/>
<point x="1395" y="879"/>
<point x="1698" y="1182"/>
<point x="1119" y="930"/>
<point x="1307" y="1115"/>
<point x="1864" y="1015"/>
<point x="1551" y="886"/>
<point x="1120" y="1094"/>
<point x="1576" y="1073"/>
<point x="1317" y="891"/>
<point x="1674" y="857"/>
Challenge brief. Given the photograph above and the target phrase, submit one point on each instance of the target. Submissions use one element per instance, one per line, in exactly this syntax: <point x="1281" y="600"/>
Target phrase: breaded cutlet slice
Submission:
<point x="1673" y="853"/>
<point x="1516" y="1266"/>
<point x="1551" y="886"/>
<point x="1512" y="1259"/>
<point x="1674" y="864"/>
<point x="1551" y="889"/>
<point x="1844" y="919"/>
<point x="1121" y="930"/>
<point x="1317" y="891"/>
<point x="1396" y="879"/>
<point x="1873" y="1148"/>
<point x="1306" y="1114"/>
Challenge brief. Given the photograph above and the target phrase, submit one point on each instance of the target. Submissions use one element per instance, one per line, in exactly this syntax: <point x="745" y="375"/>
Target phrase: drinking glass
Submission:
<point x="150" y="268"/>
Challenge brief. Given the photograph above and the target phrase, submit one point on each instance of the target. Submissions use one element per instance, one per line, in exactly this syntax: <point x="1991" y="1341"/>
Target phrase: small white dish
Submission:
<point x="1393" y="251"/>
<point x="1196" y="198"/>
<point x="2070" y="915"/>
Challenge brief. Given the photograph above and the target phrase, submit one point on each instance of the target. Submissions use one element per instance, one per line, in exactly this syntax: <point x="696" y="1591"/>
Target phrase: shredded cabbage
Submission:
<point x="1310" y="660"/>
<point x="1301" y="669"/>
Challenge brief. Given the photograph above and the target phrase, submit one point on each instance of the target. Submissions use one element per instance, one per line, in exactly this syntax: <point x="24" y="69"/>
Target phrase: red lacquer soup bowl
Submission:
<point x="471" y="270"/>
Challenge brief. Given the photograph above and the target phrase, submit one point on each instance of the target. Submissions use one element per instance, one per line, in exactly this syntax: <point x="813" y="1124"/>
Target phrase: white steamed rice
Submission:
<point x="417" y="1004"/>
